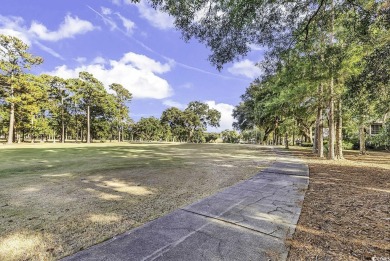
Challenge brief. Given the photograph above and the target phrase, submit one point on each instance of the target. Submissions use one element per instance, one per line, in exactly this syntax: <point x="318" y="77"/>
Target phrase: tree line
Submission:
<point x="49" y="107"/>
<point x="43" y="106"/>
<point x="336" y="81"/>
<point x="175" y="125"/>
<point x="326" y="67"/>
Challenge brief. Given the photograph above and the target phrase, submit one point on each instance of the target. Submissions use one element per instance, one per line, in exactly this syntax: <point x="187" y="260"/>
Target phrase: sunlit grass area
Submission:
<point x="57" y="199"/>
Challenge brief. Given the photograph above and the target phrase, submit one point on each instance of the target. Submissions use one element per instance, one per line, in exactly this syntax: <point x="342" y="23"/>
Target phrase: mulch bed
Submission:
<point x="346" y="211"/>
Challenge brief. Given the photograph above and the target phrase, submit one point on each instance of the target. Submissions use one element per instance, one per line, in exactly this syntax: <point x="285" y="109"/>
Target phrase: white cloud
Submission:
<point x="106" y="19"/>
<point x="116" y="2"/>
<point x="171" y="103"/>
<point x="68" y="29"/>
<point x="64" y="72"/>
<point x="245" y="68"/>
<point x="255" y="47"/>
<point x="226" y="111"/>
<point x="144" y="63"/>
<point x="128" y="24"/>
<point x="13" y="22"/>
<point x="156" y="18"/>
<point x="135" y="72"/>
<point x="11" y="32"/>
<point x="49" y="50"/>
<point x="106" y="10"/>
<point x="99" y="60"/>
<point x="13" y="26"/>
<point x="81" y="59"/>
<point x="203" y="12"/>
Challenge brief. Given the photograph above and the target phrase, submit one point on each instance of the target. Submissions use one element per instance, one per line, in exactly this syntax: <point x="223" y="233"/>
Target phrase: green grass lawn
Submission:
<point x="56" y="199"/>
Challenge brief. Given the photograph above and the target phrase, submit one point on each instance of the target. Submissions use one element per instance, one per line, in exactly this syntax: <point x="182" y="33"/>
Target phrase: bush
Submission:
<point x="381" y="141"/>
<point x="306" y="144"/>
<point x="356" y="146"/>
<point x="211" y="137"/>
<point x="348" y="145"/>
<point x="230" y="136"/>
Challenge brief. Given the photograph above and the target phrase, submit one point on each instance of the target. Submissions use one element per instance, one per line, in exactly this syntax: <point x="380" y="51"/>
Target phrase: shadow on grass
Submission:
<point x="73" y="197"/>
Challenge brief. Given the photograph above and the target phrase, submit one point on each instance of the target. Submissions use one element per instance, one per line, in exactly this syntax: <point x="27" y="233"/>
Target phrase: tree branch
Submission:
<point x="311" y="19"/>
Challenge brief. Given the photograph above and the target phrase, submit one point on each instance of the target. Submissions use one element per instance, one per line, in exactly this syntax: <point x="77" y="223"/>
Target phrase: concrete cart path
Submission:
<point x="248" y="221"/>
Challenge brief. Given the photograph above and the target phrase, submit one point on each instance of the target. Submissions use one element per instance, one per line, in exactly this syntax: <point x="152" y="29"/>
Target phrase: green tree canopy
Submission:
<point x="14" y="59"/>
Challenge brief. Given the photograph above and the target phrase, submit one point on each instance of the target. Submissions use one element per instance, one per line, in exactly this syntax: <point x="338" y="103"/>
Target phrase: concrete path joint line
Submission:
<point x="284" y="174"/>
<point x="231" y="223"/>
<point x="166" y="248"/>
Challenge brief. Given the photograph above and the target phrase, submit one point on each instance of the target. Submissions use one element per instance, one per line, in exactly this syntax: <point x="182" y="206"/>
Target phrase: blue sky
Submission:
<point x="130" y="44"/>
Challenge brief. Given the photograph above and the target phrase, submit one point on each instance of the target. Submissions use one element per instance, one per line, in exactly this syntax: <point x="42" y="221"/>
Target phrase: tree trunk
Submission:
<point x="266" y="134"/>
<point x="11" y="124"/>
<point x="32" y="129"/>
<point x="339" y="131"/>
<point x="63" y="132"/>
<point x="286" y="141"/>
<point x="88" y="125"/>
<point x="62" y="121"/>
<point x="320" y="125"/>
<point x="307" y="135"/>
<point x="362" y="139"/>
<point x="331" y="143"/>
<point x="293" y="138"/>
<point x="320" y="145"/>
<point x="315" y="143"/>
<point x="77" y="128"/>
<point x="17" y="136"/>
<point x="11" y="117"/>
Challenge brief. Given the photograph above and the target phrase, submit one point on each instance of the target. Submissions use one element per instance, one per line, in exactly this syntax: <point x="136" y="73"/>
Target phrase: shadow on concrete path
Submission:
<point x="248" y="221"/>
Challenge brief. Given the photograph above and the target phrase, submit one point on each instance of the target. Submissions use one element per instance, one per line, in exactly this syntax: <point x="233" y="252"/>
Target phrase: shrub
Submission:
<point x="348" y="145"/>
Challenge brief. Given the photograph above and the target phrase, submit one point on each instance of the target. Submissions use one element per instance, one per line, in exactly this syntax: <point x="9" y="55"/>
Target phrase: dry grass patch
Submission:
<point x="56" y="200"/>
<point x="24" y="245"/>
